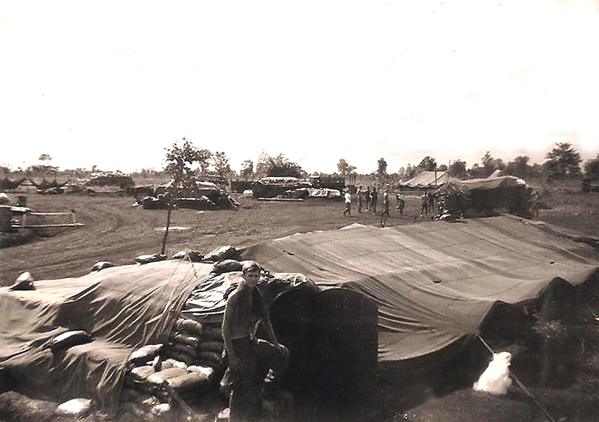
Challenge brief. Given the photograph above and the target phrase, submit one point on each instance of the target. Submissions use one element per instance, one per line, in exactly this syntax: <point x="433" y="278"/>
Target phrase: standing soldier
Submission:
<point x="424" y="204"/>
<point x="347" y="210"/>
<point x="385" y="211"/>
<point x="400" y="204"/>
<point x="254" y="364"/>
<point x="360" y="194"/>
<point x="431" y="203"/>
<point x="373" y="199"/>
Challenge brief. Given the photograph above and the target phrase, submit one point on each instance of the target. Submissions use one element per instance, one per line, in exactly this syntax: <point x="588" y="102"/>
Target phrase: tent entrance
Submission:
<point x="332" y="337"/>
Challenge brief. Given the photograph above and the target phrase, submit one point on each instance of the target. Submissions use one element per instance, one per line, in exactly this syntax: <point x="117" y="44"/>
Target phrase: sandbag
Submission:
<point x="227" y="266"/>
<point x="176" y="363"/>
<point x="193" y="256"/>
<point x="24" y="282"/>
<point x="99" y="266"/>
<point x="213" y="332"/>
<point x="188" y="326"/>
<point x="146" y="259"/>
<point x="212" y="346"/>
<point x="166" y="364"/>
<point x="75" y="407"/>
<point x="183" y="348"/>
<point x="208" y="371"/>
<point x="222" y="253"/>
<point x="188" y="382"/>
<point x="190" y="340"/>
<point x="211" y="357"/>
<point x="137" y="397"/>
<point x="155" y="380"/>
<point x="182" y="357"/>
<point x="140" y="373"/>
<point x="144" y="354"/>
<point x="69" y="339"/>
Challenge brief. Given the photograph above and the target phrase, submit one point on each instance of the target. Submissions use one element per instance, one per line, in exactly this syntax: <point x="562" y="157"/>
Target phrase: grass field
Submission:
<point x="116" y="231"/>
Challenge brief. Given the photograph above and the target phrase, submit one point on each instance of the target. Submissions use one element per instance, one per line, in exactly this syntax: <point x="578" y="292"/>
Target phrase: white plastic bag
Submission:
<point x="496" y="378"/>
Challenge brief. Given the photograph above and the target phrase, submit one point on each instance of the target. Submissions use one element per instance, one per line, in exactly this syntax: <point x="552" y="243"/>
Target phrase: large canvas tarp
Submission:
<point x="434" y="283"/>
<point x="122" y="307"/>
<point x="429" y="179"/>
<point x="491" y="183"/>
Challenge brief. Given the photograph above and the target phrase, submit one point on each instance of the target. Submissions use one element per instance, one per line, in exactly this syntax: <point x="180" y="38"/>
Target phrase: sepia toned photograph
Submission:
<point x="327" y="211"/>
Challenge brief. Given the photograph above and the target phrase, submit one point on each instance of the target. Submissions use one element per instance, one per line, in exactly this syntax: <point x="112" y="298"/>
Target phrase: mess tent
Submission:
<point x="406" y="296"/>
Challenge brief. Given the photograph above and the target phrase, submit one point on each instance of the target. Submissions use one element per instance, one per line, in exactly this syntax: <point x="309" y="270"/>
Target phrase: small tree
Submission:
<point x="428" y="163"/>
<point x="247" y="169"/>
<point x="180" y="160"/>
<point x="491" y="164"/>
<point x="562" y="161"/>
<point x="221" y="164"/>
<point x="381" y="169"/>
<point x="344" y="168"/>
<point x="44" y="166"/>
<point x="591" y="168"/>
<point x="278" y="166"/>
<point x="519" y="167"/>
<point x="457" y="169"/>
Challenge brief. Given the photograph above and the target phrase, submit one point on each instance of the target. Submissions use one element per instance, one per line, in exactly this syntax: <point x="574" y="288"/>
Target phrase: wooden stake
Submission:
<point x="168" y="223"/>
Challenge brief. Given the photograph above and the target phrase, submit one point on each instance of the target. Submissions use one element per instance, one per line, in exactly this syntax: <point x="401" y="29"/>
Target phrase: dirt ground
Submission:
<point x="116" y="231"/>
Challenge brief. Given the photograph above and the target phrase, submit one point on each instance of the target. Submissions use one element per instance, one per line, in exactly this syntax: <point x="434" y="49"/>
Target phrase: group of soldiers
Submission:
<point x="368" y="200"/>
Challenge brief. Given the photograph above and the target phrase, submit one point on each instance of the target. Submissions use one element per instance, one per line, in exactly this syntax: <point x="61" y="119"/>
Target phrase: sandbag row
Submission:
<point x="196" y="344"/>
<point x="151" y="378"/>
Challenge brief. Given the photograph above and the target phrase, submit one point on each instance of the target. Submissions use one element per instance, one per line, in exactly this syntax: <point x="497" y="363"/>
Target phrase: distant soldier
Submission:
<point x="400" y="204"/>
<point x="360" y="194"/>
<point x="367" y="198"/>
<point x="347" y="210"/>
<point x="424" y="204"/>
<point x="431" y="203"/>
<point x="385" y="210"/>
<point x="373" y="199"/>
<point x="536" y="204"/>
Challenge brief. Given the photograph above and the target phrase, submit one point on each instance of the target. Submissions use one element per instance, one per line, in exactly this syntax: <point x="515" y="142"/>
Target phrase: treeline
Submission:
<point x="184" y="159"/>
<point x="562" y="162"/>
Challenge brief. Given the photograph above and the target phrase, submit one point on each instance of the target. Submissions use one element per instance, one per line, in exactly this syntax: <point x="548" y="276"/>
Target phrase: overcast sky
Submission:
<point x="114" y="83"/>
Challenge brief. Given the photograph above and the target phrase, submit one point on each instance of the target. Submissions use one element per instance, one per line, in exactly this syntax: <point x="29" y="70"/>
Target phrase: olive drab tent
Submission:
<point x="436" y="283"/>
